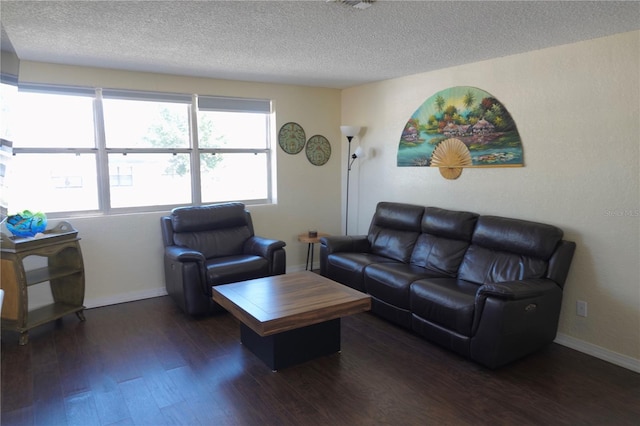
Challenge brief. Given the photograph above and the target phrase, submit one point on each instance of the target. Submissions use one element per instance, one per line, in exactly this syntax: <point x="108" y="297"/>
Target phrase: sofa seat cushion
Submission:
<point x="448" y="302"/>
<point x="390" y="282"/>
<point x="348" y="268"/>
<point x="229" y="269"/>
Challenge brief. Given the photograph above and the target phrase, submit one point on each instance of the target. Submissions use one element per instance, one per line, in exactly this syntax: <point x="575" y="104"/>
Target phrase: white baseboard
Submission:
<point x="598" y="352"/>
<point x="146" y="294"/>
<point x="297" y="268"/>
<point x="124" y="297"/>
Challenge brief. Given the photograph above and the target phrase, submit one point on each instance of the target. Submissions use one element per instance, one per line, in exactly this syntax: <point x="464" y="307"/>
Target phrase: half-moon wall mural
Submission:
<point x="483" y="132"/>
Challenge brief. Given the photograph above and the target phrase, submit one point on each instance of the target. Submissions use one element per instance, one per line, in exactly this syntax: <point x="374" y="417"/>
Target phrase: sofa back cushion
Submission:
<point x="445" y="237"/>
<point x="215" y="230"/>
<point x="394" y="230"/>
<point x="504" y="249"/>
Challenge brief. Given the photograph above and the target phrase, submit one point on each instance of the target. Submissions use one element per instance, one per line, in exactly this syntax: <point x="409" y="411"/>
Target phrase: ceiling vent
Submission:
<point x="356" y="4"/>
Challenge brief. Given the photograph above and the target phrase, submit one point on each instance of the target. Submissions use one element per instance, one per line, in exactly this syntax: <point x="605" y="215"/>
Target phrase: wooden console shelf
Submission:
<point x="64" y="273"/>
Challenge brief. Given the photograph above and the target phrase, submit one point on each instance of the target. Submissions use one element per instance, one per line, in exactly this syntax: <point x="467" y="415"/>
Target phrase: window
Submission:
<point x="8" y="92"/>
<point x="52" y="182"/>
<point x="79" y="150"/>
<point x="54" y="166"/>
<point x="53" y="120"/>
<point x="148" y="147"/>
<point x="132" y="123"/>
<point x="234" y="149"/>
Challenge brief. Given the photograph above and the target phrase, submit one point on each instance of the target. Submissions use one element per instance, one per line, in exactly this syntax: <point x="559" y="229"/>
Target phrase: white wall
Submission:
<point x="123" y="254"/>
<point x="577" y="110"/>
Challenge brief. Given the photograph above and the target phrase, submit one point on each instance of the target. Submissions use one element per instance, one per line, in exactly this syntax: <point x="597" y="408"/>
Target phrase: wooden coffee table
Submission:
<point x="291" y="318"/>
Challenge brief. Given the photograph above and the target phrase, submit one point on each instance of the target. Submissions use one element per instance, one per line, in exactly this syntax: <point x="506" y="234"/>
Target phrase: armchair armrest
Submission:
<point x="517" y="290"/>
<point x="263" y="247"/>
<point x="272" y="250"/>
<point x="345" y="243"/>
<point x="183" y="254"/>
<point x="185" y="279"/>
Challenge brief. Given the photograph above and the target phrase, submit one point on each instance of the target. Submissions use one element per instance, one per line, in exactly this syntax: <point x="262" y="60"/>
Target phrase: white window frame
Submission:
<point x="101" y="151"/>
<point x="227" y="104"/>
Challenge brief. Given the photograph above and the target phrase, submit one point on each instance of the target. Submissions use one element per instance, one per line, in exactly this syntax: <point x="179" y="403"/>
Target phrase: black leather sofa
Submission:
<point x="212" y="245"/>
<point x="486" y="287"/>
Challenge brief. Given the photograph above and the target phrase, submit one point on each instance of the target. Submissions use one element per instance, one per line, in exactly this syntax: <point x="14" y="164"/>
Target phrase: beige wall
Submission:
<point x="577" y="111"/>
<point x="123" y="254"/>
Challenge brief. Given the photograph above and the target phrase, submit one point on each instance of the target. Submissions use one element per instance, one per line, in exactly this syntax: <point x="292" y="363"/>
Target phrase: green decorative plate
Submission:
<point x="318" y="150"/>
<point x="291" y="138"/>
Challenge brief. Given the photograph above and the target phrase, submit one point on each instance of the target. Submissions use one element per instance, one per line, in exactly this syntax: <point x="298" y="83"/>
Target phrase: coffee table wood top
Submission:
<point x="285" y="302"/>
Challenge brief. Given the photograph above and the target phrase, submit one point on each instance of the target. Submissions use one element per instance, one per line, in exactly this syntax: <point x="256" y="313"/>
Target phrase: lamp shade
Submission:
<point x="359" y="153"/>
<point x="350" y="131"/>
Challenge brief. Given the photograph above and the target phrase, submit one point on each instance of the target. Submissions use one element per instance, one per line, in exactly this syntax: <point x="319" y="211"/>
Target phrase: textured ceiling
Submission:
<point x="313" y="42"/>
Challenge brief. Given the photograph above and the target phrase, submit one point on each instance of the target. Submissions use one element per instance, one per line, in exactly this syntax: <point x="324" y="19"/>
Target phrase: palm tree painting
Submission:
<point x="458" y="127"/>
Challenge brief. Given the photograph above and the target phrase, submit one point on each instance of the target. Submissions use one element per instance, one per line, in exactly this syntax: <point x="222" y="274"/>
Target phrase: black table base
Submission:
<point x="295" y="346"/>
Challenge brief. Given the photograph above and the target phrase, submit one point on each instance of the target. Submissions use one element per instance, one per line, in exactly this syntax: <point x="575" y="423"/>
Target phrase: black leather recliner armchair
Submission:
<point x="212" y="245"/>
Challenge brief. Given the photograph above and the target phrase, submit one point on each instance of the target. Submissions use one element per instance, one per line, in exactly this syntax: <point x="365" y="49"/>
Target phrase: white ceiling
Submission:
<point x="312" y="42"/>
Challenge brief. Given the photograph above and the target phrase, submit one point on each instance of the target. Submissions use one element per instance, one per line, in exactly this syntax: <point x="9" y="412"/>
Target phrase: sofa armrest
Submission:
<point x="513" y="319"/>
<point x="183" y="254"/>
<point x="341" y="244"/>
<point x="517" y="290"/>
<point x="345" y="243"/>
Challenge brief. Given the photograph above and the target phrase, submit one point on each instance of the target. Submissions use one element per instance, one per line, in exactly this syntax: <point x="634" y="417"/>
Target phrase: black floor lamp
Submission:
<point x="350" y="132"/>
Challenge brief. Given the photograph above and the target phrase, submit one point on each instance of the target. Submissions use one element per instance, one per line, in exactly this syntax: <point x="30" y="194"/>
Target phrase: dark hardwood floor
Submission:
<point x="145" y="363"/>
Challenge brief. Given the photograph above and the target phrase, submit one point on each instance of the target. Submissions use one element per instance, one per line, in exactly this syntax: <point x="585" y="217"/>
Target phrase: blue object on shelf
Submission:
<point x="26" y="224"/>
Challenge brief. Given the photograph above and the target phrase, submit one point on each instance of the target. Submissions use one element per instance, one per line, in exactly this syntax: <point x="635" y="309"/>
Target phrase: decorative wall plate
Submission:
<point x="291" y="138"/>
<point x="318" y="150"/>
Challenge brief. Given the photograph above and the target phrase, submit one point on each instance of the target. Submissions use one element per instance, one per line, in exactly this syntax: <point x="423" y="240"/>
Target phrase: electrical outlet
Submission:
<point x="581" y="308"/>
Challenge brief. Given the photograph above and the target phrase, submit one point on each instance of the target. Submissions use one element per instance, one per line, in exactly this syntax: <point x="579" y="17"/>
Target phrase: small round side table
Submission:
<point x="311" y="241"/>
